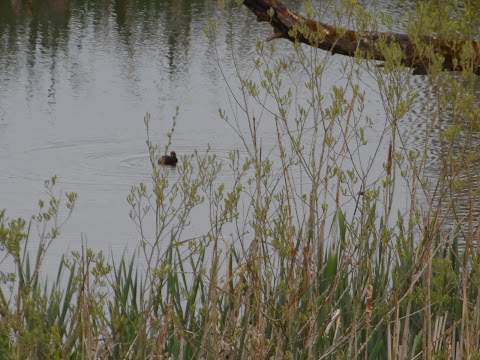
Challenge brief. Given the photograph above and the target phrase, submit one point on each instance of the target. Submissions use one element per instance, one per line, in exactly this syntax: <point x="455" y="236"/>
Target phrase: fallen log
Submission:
<point x="419" y="53"/>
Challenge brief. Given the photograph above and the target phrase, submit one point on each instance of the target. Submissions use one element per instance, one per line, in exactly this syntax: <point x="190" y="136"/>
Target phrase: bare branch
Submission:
<point x="418" y="53"/>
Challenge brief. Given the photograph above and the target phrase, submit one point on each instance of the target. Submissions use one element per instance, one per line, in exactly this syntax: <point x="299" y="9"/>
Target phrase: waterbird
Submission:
<point x="168" y="159"/>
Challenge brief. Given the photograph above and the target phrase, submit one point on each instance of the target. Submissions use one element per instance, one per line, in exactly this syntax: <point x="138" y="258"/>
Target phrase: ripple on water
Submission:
<point x="88" y="161"/>
<point x="101" y="161"/>
<point x="114" y="164"/>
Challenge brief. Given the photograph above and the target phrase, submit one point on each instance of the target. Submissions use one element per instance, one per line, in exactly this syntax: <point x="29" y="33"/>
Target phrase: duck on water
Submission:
<point x="168" y="159"/>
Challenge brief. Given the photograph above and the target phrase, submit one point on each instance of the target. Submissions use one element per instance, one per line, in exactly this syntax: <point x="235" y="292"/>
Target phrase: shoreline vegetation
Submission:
<point x="286" y="270"/>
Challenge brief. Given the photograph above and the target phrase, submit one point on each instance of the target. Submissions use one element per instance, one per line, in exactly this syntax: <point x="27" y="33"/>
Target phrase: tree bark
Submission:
<point x="418" y="53"/>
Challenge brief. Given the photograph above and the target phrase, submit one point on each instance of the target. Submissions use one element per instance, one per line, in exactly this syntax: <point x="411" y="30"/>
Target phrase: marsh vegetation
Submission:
<point x="310" y="251"/>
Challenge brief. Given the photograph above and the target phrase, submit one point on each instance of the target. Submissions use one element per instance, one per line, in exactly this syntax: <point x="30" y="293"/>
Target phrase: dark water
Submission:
<point x="78" y="76"/>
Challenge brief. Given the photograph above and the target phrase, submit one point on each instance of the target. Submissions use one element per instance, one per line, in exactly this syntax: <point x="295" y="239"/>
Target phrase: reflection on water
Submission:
<point x="452" y="168"/>
<point x="76" y="79"/>
<point x="78" y="76"/>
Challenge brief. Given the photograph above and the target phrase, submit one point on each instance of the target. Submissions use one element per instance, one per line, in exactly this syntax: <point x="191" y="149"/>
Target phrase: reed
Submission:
<point x="307" y="254"/>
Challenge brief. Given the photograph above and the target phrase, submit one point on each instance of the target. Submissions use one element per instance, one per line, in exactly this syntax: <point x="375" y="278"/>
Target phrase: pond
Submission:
<point x="77" y="78"/>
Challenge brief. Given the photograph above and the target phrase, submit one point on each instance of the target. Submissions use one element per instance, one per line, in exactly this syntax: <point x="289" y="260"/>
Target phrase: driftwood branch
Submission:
<point x="418" y="53"/>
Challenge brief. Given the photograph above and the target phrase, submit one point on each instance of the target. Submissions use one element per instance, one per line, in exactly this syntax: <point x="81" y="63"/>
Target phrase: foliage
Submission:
<point x="307" y="253"/>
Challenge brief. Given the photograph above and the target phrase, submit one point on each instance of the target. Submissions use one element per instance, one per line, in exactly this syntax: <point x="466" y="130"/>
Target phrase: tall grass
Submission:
<point x="307" y="253"/>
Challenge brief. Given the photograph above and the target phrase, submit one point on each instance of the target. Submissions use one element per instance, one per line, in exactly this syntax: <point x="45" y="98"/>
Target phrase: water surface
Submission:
<point x="78" y="76"/>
